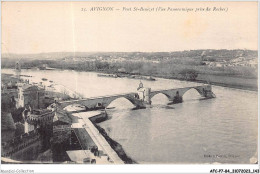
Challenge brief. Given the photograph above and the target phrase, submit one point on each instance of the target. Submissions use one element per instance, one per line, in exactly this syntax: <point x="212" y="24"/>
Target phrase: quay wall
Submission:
<point x="117" y="148"/>
<point x="99" y="118"/>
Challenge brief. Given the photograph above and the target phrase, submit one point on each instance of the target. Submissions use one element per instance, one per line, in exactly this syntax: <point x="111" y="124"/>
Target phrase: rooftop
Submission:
<point x="29" y="87"/>
<point x="62" y="116"/>
<point x="40" y="111"/>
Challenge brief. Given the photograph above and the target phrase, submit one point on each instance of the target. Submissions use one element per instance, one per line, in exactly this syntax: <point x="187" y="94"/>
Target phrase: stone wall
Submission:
<point x="25" y="147"/>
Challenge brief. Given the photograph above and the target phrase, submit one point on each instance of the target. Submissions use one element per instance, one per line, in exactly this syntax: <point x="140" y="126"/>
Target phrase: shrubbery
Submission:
<point x="189" y="74"/>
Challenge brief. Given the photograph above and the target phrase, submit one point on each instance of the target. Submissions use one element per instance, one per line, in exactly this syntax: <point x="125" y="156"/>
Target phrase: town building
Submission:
<point x="61" y="127"/>
<point x="31" y="95"/>
<point x="36" y="118"/>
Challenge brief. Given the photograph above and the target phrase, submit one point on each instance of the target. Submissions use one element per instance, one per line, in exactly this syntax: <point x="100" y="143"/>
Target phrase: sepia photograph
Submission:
<point x="129" y="83"/>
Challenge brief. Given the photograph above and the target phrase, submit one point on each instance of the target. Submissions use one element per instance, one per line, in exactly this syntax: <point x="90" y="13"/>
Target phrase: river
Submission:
<point x="223" y="129"/>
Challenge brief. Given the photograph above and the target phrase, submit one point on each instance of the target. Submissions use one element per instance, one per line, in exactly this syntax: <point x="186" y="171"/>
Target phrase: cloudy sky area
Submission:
<point x="36" y="27"/>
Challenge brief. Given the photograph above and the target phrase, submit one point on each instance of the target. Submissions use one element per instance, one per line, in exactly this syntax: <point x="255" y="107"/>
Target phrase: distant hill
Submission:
<point x="50" y="56"/>
<point x="148" y="55"/>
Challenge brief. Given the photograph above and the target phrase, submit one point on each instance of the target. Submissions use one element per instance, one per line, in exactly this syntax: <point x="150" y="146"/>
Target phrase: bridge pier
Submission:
<point x="207" y="92"/>
<point x="177" y="98"/>
<point x="144" y="95"/>
<point x="140" y="105"/>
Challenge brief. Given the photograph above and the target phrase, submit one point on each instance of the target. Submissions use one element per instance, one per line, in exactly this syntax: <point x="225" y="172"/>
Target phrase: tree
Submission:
<point x="189" y="74"/>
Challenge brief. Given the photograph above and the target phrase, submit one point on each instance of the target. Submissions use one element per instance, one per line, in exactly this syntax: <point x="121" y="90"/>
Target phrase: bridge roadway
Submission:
<point x="140" y="98"/>
<point x="98" y="139"/>
<point x="102" y="101"/>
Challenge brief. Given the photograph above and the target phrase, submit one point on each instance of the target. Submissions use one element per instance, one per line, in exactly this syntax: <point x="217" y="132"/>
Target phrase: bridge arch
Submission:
<point x="199" y="91"/>
<point x="130" y="99"/>
<point x="161" y="92"/>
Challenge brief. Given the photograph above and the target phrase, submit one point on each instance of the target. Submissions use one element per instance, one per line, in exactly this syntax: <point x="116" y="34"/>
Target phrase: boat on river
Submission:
<point x="108" y="75"/>
<point x="150" y="78"/>
<point x="139" y="77"/>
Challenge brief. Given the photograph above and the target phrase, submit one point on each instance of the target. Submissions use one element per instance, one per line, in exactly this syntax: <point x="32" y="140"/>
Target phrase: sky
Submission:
<point x="38" y="27"/>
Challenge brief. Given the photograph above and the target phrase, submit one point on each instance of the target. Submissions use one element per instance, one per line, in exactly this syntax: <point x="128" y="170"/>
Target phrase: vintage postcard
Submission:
<point x="129" y="83"/>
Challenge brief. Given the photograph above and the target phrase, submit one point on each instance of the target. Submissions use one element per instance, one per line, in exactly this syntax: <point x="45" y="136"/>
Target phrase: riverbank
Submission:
<point x="236" y="82"/>
<point x="250" y="84"/>
<point x="219" y="67"/>
<point x="114" y="145"/>
<point x="224" y="80"/>
<point x="88" y="121"/>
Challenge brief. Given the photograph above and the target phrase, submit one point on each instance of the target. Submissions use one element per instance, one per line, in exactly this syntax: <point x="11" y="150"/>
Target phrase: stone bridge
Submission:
<point x="141" y="98"/>
<point x="103" y="102"/>
<point x="175" y="95"/>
